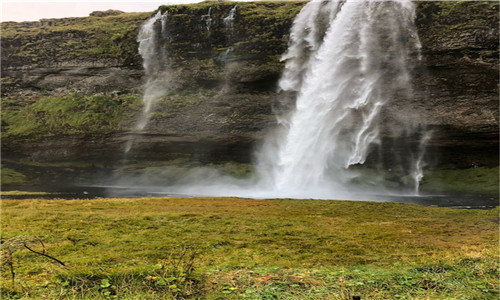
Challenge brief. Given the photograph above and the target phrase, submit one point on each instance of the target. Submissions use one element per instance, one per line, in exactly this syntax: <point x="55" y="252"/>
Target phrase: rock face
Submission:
<point x="222" y="82"/>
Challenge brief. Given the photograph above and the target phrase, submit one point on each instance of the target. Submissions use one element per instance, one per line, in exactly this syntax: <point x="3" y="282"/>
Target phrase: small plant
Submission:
<point x="176" y="273"/>
<point x="15" y="244"/>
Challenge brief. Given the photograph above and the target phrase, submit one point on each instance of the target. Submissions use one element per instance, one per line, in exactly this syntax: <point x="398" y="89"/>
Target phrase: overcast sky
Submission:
<point x="18" y="10"/>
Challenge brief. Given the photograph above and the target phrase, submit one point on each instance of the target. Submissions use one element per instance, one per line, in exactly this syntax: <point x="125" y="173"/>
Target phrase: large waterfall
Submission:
<point x="345" y="62"/>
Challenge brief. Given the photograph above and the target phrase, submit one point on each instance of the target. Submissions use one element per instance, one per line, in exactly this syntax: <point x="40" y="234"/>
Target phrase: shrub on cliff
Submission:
<point x="109" y="12"/>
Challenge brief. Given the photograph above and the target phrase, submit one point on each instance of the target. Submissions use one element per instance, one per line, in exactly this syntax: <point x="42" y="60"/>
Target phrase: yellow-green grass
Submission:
<point x="20" y="193"/>
<point x="251" y="249"/>
<point x="9" y="176"/>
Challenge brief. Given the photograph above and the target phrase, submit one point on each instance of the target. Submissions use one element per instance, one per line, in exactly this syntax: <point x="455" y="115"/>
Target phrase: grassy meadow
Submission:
<point x="232" y="248"/>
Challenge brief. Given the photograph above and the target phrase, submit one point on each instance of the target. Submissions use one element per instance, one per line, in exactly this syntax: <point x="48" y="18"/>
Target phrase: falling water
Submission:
<point x="418" y="172"/>
<point x="207" y="19"/>
<point x="229" y="20"/>
<point x="153" y="60"/>
<point x="225" y="57"/>
<point x="154" y="55"/>
<point x="342" y="78"/>
<point x="346" y="62"/>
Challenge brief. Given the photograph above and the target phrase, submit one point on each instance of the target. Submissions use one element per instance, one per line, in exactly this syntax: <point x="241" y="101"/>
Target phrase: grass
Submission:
<point x="20" y="193"/>
<point x="109" y="37"/>
<point x="230" y="248"/>
<point x="472" y="180"/>
<point x="10" y="177"/>
<point x="69" y="114"/>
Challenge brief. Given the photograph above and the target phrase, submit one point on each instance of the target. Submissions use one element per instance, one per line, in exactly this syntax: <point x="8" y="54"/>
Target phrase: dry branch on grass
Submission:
<point x="10" y="246"/>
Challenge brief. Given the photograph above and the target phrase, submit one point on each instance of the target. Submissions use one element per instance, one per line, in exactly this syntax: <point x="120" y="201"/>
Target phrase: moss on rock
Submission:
<point x="11" y="177"/>
<point x="70" y="114"/>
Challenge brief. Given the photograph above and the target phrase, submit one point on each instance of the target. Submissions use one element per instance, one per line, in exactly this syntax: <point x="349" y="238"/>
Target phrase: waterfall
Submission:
<point x="345" y="62"/>
<point x="229" y="20"/>
<point x="154" y="55"/>
<point x="225" y="57"/>
<point x="207" y="19"/>
<point x="418" y="172"/>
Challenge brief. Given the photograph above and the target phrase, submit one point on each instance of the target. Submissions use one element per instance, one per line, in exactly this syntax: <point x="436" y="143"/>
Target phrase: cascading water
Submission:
<point x="153" y="61"/>
<point x="154" y="56"/>
<point x="229" y="25"/>
<point x="226" y="56"/>
<point x="207" y="19"/>
<point x="229" y="20"/>
<point x="418" y="172"/>
<point x="342" y="78"/>
<point x="346" y="62"/>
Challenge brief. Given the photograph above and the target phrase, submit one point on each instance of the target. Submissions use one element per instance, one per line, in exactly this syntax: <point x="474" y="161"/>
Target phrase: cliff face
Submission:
<point x="221" y="82"/>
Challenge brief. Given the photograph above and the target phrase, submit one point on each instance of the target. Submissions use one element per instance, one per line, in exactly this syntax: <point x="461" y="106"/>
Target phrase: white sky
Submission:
<point x="18" y="10"/>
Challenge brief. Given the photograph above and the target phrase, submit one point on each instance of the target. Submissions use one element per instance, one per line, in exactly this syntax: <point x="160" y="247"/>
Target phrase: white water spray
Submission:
<point x="342" y="80"/>
<point x="345" y="62"/>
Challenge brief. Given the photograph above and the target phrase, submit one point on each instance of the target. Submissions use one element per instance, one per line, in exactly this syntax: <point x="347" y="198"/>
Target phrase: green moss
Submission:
<point x="21" y="193"/>
<point x="66" y="115"/>
<point x="114" y="37"/>
<point x="11" y="177"/>
<point x="238" y="170"/>
<point x="440" y="21"/>
<point x="97" y="38"/>
<point x="474" y="180"/>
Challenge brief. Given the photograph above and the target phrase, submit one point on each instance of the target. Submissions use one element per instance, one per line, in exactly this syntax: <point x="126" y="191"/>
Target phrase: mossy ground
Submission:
<point x="230" y="248"/>
<point x="472" y="180"/>
<point x="71" y="114"/>
<point x="10" y="177"/>
<point x="109" y="37"/>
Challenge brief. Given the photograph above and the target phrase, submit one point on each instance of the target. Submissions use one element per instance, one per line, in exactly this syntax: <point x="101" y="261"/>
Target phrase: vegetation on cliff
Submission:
<point x="71" y="114"/>
<point x="258" y="37"/>
<point x="465" y="26"/>
<point x="55" y="41"/>
<point x="212" y="248"/>
<point x="112" y="38"/>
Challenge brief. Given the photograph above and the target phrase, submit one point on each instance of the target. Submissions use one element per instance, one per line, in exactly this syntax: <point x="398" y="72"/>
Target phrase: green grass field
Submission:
<point x="230" y="248"/>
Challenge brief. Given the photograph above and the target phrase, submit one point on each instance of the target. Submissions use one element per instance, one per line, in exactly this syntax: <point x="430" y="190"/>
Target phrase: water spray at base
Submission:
<point x="345" y="63"/>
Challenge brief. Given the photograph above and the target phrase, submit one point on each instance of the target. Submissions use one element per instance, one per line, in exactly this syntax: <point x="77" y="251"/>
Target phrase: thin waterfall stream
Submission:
<point x="154" y="57"/>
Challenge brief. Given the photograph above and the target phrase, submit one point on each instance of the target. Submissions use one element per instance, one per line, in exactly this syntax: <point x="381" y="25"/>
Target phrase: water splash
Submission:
<point x="346" y="62"/>
<point x="342" y="79"/>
